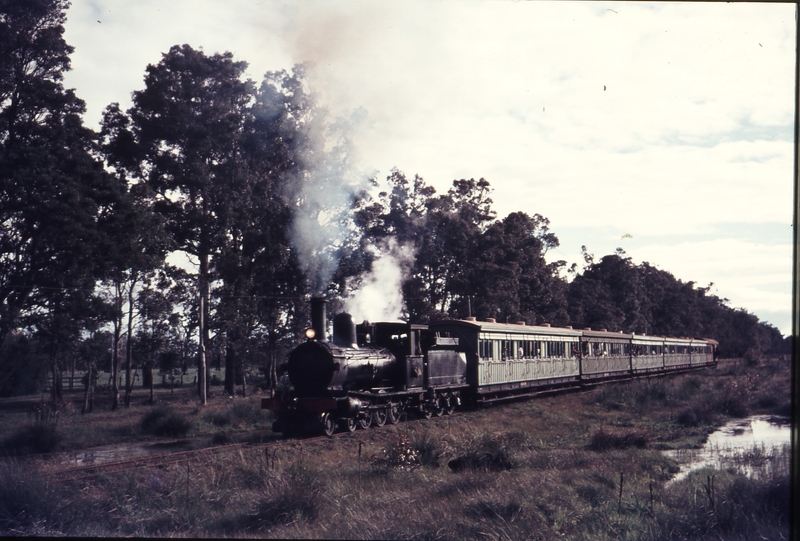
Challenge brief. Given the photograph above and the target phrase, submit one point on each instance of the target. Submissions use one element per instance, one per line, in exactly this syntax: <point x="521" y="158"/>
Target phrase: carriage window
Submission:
<point x="527" y="348"/>
<point x="485" y="349"/>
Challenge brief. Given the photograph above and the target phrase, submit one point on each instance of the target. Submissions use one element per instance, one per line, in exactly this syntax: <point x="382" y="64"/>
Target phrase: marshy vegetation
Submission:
<point x="578" y="465"/>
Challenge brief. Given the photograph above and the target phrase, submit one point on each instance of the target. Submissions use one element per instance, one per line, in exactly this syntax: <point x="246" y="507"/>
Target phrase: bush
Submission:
<point x="695" y="416"/>
<point x="40" y="434"/>
<point x="604" y="440"/>
<point x="165" y="422"/>
<point x="428" y="451"/>
<point x="488" y="455"/>
<point x="732" y="399"/>
<point x="399" y="454"/>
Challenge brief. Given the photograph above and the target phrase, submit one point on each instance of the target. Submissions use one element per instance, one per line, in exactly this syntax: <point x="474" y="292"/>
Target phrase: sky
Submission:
<point x="664" y="129"/>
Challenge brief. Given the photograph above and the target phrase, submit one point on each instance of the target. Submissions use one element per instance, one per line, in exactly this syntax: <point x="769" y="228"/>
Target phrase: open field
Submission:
<point x="577" y="465"/>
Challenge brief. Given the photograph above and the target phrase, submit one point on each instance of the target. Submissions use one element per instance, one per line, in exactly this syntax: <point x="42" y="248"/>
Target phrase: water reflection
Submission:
<point x="757" y="447"/>
<point x="122" y="452"/>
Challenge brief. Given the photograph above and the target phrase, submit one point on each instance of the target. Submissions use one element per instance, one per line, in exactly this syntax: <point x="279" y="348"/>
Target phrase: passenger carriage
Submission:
<point x="508" y="357"/>
<point x="604" y="354"/>
<point x="647" y="354"/>
<point x="677" y="353"/>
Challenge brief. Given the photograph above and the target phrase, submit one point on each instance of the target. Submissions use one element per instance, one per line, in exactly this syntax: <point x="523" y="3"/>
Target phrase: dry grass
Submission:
<point x="571" y="466"/>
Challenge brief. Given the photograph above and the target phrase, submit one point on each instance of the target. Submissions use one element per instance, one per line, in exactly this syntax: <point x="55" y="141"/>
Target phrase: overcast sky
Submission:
<point x="661" y="128"/>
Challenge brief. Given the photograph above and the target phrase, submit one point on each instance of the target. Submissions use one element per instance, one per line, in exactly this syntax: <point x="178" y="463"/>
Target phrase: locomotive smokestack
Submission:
<point x="318" y="319"/>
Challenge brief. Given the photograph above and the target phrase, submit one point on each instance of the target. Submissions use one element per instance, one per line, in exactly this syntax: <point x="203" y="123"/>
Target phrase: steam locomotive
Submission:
<point x="374" y="373"/>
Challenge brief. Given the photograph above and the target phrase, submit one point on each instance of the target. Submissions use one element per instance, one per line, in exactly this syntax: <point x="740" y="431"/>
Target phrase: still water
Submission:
<point x="757" y="447"/>
<point x="122" y="452"/>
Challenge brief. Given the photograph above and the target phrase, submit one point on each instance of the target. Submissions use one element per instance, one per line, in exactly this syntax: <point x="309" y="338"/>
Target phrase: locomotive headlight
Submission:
<point x="310" y="334"/>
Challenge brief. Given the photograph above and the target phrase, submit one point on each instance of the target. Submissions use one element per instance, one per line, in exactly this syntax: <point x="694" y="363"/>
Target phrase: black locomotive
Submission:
<point x="373" y="373"/>
<point x="368" y="374"/>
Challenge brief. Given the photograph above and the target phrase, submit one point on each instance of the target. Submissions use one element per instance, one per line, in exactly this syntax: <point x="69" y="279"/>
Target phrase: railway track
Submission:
<point x="82" y="473"/>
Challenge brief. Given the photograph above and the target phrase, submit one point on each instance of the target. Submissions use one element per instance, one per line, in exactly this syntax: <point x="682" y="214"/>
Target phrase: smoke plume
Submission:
<point x="380" y="297"/>
<point x="327" y="180"/>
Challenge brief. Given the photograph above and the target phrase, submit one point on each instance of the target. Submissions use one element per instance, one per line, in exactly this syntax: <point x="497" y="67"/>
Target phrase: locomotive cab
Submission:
<point x="406" y="342"/>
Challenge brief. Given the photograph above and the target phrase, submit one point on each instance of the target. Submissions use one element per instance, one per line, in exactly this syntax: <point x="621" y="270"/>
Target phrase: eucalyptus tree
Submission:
<point x="55" y="196"/>
<point x="180" y="139"/>
<point x="510" y="279"/>
<point x="448" y="244"/>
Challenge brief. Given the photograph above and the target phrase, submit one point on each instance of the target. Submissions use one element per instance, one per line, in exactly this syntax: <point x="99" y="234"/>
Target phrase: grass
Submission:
<point x="570" y="466"/>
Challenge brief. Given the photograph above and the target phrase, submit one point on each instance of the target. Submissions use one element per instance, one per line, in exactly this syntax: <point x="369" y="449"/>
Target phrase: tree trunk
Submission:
<point x="230" y="368"/>
<point x="273" y="361"/>
<point x="88" y="397"/>
<point x="55" y="391"/>
<point x="201" y="362"/>
<point x="115" y="354"/>
<point x="152" y="385"/>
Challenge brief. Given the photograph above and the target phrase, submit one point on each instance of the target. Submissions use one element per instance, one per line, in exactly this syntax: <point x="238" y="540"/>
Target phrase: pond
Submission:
<point x="757" y="447"/>
<point x="122" y="452"/>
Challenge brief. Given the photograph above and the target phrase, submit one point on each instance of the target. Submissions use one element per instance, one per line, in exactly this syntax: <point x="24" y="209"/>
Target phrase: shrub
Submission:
<point x="219" y="419"/>
<point x="428" y="451"/>
<point x="732" y="399"/>
<point x="752" y="357"/>
<point x="604" y="440"/>
<point x="488" y="455"/>
<point x="39" y="435"/>
<point x="695" y="416"/>
<point x="221" y="438"/>
<point x="165" y="422"/>
<point x="399" y="453"/>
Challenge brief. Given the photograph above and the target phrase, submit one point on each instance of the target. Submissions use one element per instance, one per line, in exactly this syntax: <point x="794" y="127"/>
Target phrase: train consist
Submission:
<point x="373" y="373"/>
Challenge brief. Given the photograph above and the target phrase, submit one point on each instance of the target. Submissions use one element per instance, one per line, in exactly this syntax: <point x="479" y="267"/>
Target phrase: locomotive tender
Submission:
<point x="373" y="373"/>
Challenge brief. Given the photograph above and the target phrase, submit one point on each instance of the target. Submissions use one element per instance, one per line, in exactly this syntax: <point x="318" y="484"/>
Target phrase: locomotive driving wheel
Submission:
<point x="450" y="405"/>
<point x="349" y="424"/>
<point x="394" y="414"/>
<point x="379" y="417"/>
<point x="365" y="421"/>
<point x="328" y="424"/>
<point x="426" y="411"/>
<point x="439" y="406"/>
